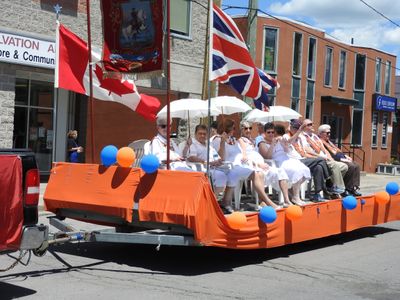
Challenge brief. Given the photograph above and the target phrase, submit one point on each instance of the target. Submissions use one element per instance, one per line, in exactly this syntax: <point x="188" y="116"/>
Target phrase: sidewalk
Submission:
<point x="370" y="183"/>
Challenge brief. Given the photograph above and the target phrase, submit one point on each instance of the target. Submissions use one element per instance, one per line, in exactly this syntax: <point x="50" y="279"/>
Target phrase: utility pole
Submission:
<point x="252" y="34"/>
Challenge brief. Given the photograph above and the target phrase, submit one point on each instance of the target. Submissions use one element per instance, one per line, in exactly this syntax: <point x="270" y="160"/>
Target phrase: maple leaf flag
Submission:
<point x="72" y="73"/>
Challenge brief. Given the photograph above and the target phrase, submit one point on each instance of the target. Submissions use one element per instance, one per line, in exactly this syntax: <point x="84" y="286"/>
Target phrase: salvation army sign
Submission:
<point x="23" y="50"/>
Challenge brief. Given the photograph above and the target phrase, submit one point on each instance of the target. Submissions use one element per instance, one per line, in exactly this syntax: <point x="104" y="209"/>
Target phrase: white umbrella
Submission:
<point x="188" y="108"/>
<point x="229" y="105"/>
<point x="275" y="113"/>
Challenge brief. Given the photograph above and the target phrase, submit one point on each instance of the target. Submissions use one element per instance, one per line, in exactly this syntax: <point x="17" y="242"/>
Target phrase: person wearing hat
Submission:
<point x="352" y="177"/>
<point x="317" y="165"/>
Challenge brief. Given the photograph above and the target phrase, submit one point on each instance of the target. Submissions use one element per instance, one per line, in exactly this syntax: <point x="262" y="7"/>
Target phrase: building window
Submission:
<point x="310" y="99"/>
<point x="378" y="66"/>
<point x="295" y="93"/>
<point x="374" y="129"/>
<point x="312" y="43"/>
<point x="342" y="69"/>
<point x="270" y="49"/>
<point x="181" y="15"/>
<point x="356" y="137"/>
<point x="272" y="94"/>
<point x="387" y="77"/>
<point x="360" y="72"/>
<point x="328" y="67"/>
<point x="385" y="119"/>
<point x="33" y="119"/>
<point x="298" y="38"/>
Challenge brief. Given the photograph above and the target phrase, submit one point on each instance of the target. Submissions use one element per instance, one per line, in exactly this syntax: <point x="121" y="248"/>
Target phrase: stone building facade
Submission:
<point x="34" y="115"/>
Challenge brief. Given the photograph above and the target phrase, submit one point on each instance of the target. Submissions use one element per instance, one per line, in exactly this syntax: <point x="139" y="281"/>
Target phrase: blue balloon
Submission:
<point x="149" y="163"/>
<point x="349" y="202"/>
<point x="392" y="188"/>
<point x="109" y="155"/>
<point x="267" y="214"/>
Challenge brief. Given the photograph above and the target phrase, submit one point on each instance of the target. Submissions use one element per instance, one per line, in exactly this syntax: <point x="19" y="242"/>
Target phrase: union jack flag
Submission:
<point x="232" y="63"/>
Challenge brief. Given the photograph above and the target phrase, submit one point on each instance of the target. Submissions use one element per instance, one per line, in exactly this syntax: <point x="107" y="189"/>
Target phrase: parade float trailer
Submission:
<point x="179" y="208"/>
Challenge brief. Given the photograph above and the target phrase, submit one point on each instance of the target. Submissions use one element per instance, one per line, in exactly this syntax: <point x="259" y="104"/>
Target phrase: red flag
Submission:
<point x="72" y="73"/>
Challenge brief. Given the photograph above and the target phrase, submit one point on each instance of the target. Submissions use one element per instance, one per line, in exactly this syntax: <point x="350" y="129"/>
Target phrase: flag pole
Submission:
<point x="208" y="57"/>
<point x="168" y="85"/>
<point x="91" y="114"/>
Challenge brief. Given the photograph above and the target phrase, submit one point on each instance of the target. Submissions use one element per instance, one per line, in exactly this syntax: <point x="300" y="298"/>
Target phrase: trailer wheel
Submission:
<point x="39" y="252"/>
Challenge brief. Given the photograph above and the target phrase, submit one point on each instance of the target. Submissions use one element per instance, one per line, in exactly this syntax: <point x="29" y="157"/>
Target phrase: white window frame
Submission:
<point x="375" y="118"/>
<point x="313" y="75"/>
<point x="385" y="126"/>
<point x="388" y="76"/>
<point x="344" y="70"/>
<point x="355" y="69"/>
<point x="300" y="56"/>
<point x="275" y="72"/>
<point x="330" y="66"/>
<point x="189" y="35"/>
<point x="378" y="74"/>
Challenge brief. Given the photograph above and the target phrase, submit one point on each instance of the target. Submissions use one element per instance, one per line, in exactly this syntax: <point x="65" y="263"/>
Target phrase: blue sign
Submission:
<point x="385" y="103"/>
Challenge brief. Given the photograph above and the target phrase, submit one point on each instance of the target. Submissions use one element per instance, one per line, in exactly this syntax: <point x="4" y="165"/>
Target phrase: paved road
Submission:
<point x="363" y="264"/>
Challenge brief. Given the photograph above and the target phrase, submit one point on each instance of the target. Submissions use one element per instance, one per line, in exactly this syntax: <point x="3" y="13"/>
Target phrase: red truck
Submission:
<point x="19" y="199"/>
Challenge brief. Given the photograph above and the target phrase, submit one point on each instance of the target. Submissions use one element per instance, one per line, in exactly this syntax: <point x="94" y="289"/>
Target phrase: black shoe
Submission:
<point x="226" y="209"/>
<point x="345" y="194"/>
<point x="317" y="198"/>
<point x="355" y="193"/>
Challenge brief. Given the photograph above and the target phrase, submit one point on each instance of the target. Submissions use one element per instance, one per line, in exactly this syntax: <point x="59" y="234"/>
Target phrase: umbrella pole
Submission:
<point x="168" y="85"/>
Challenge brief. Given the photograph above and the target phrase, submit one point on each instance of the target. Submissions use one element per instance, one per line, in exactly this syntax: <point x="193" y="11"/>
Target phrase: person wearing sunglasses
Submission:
<point x="229" y="150"/>
<point x="314" y="147"/>
<point x="158" y="147"/>
<point x="352" y="176"/>
<point x="276" y="177"/>
<point x="276" y="147"/>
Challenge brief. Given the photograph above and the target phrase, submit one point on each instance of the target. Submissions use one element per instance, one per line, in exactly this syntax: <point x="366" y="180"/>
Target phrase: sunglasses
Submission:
<point x="328" y="132"/>
<point x="248" y="128"/>
<point x="309" y="124"/>
<point x="270" y="132"/>
<point x="162" y="126"/>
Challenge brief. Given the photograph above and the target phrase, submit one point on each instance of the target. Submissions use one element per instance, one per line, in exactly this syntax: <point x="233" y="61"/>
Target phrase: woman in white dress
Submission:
<point x="276" y="177"/>
<point x="229" y="150"/>
<point x="276" y="148"/>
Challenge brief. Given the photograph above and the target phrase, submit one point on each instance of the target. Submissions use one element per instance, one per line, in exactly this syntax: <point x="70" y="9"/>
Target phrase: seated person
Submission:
<point x="229" y="150"/>
<point x="317" y="165"/>
<point x="352" y="177"/>
<point x="276" y="147"/>
<point x="314" y="147"/>
<point x="274" y="176"/>
<point x="198" y="154"/>
<point x="158" y="147"/>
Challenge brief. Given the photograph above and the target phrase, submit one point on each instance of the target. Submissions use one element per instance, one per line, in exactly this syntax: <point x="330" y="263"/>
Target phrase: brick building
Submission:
<point x="34" y="115"/>
<point x="352" y="88"/>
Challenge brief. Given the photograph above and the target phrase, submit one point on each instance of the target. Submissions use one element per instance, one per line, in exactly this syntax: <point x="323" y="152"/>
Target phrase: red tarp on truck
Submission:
<point x="11" y="206"/>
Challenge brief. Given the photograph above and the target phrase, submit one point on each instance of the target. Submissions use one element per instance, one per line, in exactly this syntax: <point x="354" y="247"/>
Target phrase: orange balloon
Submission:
<point x="294" y="212"/>
<point x="237" y="220"/>
<point x="382" y="197"/>
<point x="125" y="156"/>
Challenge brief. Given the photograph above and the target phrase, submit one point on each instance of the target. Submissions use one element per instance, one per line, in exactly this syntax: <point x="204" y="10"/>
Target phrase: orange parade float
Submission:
<point x="130" y="198"/>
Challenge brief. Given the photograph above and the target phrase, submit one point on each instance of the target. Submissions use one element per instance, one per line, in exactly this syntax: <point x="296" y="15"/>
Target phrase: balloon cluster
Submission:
<point x="125" y="157"/>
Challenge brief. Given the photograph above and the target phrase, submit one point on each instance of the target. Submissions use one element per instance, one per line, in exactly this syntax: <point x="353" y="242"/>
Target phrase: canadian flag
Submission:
<point x="72" y="73"/>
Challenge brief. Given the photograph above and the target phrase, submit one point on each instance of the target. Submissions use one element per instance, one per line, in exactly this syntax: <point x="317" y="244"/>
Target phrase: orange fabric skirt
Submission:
<point x="186" y="198"/>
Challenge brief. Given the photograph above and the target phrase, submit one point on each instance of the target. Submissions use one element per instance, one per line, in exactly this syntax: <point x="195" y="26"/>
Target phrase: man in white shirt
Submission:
<point x="158" y="147"/>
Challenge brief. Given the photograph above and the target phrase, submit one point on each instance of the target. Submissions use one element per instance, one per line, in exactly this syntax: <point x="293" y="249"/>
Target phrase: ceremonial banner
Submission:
<point x="133" y="35"/>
